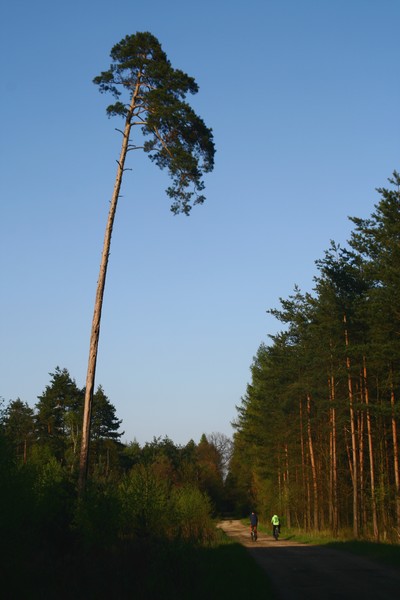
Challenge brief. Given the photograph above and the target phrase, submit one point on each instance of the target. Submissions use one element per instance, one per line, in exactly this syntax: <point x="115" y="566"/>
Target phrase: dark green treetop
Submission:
<point x="151" y="94"/>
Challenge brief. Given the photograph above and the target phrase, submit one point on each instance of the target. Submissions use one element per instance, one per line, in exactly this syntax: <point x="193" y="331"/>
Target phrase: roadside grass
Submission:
<point x="388" y="554"/>
<point x="385" y="553"/>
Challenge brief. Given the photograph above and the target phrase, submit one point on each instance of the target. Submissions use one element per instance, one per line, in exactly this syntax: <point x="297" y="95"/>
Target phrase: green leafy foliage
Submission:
<point x="191" y="510"/>
<point x="142" y="533"/>
<point x="145" y="499"/>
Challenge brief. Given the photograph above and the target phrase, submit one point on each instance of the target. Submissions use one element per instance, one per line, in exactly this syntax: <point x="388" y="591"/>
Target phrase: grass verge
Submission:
<point x="385" y="553"/>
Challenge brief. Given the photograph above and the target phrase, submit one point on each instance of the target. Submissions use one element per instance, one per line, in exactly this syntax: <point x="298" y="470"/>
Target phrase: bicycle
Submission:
<point x="253" y="533"/>
<point x="275" y="532"/>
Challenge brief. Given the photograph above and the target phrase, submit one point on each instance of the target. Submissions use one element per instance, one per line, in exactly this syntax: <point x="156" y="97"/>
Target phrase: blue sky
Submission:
<point x="303" y="98"/>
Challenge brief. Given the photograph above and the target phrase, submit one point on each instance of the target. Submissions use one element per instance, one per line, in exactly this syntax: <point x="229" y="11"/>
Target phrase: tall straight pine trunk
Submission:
<point x="371" y="454"/>
<point x="312" y="463"/>
<point x="287" y="483"/>
<point x="306" y="508"/>
<point x="354" y="464"/>
<point x="395" y="449"/>
<point x="95" y="332"/>
<point x="361" y="460"/>
<point x="333" y="458"/>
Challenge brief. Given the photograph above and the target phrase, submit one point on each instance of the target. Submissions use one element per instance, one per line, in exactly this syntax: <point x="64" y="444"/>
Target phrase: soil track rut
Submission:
<point x="300" y="571"/>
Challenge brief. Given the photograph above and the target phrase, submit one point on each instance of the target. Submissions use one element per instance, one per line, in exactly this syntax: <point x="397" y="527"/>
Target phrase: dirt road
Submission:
<point x="300" y="571"/>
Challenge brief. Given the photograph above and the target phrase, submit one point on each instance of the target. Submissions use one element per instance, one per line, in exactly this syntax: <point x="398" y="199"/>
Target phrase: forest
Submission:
<point x="151" y="506"/>
<point x="317" y="430"/>
<point x="316" y="441"/>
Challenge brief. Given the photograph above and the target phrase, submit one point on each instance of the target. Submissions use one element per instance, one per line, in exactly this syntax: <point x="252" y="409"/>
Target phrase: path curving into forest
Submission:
<point x="300" y="571"/>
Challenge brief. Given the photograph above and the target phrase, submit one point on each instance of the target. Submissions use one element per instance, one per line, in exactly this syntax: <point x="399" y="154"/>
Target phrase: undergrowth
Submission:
<point x="145" y="569"/>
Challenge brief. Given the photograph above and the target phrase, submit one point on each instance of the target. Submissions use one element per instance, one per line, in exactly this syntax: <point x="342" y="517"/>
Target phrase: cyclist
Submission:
<point x="253" y="525"/>
<point x="276" y="526"/>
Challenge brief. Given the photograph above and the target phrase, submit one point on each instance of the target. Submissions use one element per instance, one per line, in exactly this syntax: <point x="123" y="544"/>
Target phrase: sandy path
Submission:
<point x="300" y="571"/>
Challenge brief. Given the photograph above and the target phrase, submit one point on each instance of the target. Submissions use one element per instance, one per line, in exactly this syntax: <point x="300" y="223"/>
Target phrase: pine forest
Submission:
<point x="319" y="420"/>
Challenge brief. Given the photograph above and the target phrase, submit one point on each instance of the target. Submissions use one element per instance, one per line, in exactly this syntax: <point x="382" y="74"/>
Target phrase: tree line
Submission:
<point x="51" y="433"/>
<point x="52" y="429"/>
<point x="317" y="431"/>
<point x="156" y="500"/>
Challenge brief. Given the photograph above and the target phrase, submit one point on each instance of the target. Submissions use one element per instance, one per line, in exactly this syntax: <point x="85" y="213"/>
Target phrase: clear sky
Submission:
<point x="303" y="97"/>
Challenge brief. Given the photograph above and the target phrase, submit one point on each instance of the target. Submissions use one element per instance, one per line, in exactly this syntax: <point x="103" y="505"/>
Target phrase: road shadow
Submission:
<point x="315" y="572"/>
<point x="304" y="572"/>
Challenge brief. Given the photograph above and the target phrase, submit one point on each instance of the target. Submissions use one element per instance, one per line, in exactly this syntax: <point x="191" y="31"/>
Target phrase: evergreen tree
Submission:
<point x="149" y="94"/>
<point x="105" y="424"/>
<point x="18" y="427"/>
<point x="56" y="412"/>
<point x="210" y="471"/>
<point x="377" y="242"/>
<point x="106" y="446"/>
<point x="331" y="384"/>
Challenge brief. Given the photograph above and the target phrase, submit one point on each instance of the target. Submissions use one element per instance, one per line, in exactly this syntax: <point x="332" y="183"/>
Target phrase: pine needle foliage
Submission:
<point x="151" y="94"/>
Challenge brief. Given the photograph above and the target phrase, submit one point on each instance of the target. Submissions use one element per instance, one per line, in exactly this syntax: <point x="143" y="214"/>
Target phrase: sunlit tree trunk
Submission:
<point x="279" y="499"/>
<point x="360" y="443"/>
<point x="304" y="477"/>
<point x="95" y="332"/>
<point x="312" y="463"/>
<point x="353" y="435"/>
<point x="395" y="451"/>
<point x="371" y="454"/>
<point x="333" y="459"/>
<point x="287" y="489"/>
<point x="384" y="521"/>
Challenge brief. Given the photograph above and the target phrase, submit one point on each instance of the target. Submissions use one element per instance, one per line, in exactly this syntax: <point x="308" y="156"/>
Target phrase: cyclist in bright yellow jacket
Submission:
<point x="275" y="524"/>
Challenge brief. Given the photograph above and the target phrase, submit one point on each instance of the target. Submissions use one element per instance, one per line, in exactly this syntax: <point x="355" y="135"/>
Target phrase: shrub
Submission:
<point x="98" y="516"/>
<point x="145" y="502"/>
<point x="191" y="510"/>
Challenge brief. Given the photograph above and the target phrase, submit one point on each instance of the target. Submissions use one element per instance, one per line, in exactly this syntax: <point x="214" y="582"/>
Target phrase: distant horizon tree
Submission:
<point x="18" y="425"/>
<point x="150" y="94"/>
<point x="57" y="405"/>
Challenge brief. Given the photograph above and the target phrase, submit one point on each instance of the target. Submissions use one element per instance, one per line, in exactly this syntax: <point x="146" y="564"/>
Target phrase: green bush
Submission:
<point x="98" y="516"/>
<point x="145" y="503"/>
<point x="190" y="511"/>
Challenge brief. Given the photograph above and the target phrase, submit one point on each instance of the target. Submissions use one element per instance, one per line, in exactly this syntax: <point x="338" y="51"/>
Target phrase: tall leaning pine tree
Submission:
<point x="150" y="95"/>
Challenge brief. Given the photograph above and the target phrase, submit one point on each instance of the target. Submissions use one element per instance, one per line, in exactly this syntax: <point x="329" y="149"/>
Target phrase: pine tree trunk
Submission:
<point x="95" y="332"/>
<point x="371" y="455"/>
<point x="362" y="503"/>
<point x="287" y="489"/>
<point x="353" y="436"/>
<point x="333" y="460"/>
<point x="303" y="466"/>
<point x="312" y="462"/>
<point x="385" y="519"/>
<point x="395" y="451"/>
